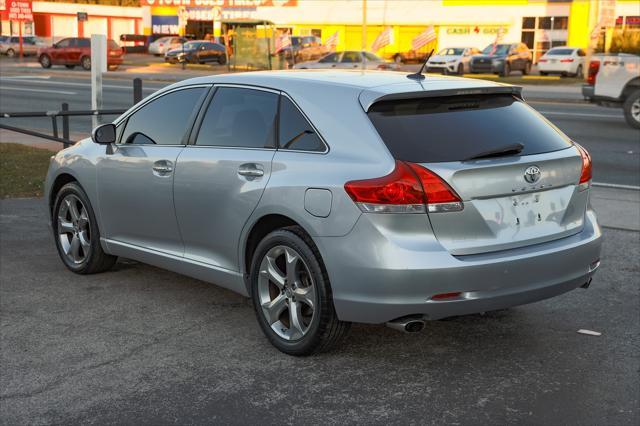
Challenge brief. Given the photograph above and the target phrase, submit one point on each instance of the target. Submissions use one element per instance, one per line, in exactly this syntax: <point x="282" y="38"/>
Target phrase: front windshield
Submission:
<point x="501" y="49"/>
<point x="451" y="52"/>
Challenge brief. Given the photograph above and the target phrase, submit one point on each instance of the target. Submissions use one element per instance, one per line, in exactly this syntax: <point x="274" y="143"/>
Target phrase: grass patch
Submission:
<point x="22" y="170"/>
<point x="537" y="80"/>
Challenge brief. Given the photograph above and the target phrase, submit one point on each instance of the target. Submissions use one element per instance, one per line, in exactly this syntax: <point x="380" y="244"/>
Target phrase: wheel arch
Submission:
<point x="61" y="180"/>
<point x="631" y="87"/>
<point x="258" y="230"/>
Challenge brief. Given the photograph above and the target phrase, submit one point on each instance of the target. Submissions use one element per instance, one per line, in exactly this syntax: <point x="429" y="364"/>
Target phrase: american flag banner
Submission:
<point x="424" y="38"/>
<point x="283" y="42"/>
<point x="332" y="42"/>
<point x="499" y="37"/>
<point x="383" y="39"/>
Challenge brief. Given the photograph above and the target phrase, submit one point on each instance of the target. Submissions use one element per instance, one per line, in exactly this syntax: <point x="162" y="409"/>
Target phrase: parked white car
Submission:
<point x="349" y="59"/>
<point x="614" y="81"/>
<point x="165" y="44"/>
<point x="563" y="60"/>
<point x="452" y="60"/>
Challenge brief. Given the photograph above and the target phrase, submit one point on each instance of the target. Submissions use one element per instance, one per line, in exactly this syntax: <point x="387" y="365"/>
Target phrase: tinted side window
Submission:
<point x="455" y="128"/>
<point x="64" y="43"/>
<point x="333" y="57"/>
<point x="295" y="131"/>
<point x="163" y="121"/>
<point x="242" y="118"/>
<point x="84" y="42"/>
<point x="351" y="57"/>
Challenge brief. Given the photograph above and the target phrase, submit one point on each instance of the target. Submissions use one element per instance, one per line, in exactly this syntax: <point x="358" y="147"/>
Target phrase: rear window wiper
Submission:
<point x="503" y="151"/>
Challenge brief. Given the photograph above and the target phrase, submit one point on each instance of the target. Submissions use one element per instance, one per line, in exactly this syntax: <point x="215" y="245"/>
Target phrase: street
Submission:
<point x="614" y="146"/>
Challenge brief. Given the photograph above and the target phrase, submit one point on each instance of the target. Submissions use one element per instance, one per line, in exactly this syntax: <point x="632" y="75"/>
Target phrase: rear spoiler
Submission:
<point x="489" y="90"/>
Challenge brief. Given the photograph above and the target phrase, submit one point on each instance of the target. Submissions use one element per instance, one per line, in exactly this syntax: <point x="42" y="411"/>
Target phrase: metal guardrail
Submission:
<point x="65" y="113"/>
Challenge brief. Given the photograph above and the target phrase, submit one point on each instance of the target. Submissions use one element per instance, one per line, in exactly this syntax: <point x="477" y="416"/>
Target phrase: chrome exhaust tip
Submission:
<point x="407" y="325"/>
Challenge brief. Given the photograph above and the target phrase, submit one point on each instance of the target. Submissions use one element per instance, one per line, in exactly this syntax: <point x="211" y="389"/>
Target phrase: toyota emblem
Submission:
<point x="532" y="174"/>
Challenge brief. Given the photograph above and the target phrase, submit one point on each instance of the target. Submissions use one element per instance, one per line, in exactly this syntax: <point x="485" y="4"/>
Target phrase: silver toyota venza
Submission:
<point x="332" y="197"/>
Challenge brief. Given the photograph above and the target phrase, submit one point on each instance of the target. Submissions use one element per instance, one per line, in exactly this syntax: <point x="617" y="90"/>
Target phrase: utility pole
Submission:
<point x="364" y="33"/>
<point x="364" y="24"/>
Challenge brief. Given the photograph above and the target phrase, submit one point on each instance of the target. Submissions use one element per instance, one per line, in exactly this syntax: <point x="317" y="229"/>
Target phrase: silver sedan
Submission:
<point x="332" y="197"/>
<point x="350" y="59"/>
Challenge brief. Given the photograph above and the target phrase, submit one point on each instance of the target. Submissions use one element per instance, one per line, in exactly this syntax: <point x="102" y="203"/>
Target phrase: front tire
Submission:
<point x="506" y="70"/>
<point x="45" y="61"/>
<point x="291" y="294"/>
<point x="632" y="109"/>
<point x="398" y="59"/>
<point x="527" y="69"/>
<point x="76" y="233"/>
<point x="85" y="62"/>
<point x="460" y="69"/>
<point x="578" y="73"/>
<point x="11" y="53"/>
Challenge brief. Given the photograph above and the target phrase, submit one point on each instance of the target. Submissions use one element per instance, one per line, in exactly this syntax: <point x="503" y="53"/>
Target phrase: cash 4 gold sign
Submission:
<point x="16" y="10"/>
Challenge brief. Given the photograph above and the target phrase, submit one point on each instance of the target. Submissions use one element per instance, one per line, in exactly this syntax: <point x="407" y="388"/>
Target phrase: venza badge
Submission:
<point x="532" y="174"/>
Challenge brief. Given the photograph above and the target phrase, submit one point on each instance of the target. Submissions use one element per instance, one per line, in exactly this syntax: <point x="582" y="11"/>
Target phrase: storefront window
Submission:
<point x="544" y="23"/>
<point x="528" y="38"/>
<point x="560" y="22"/>
<point x="529" y="23"/>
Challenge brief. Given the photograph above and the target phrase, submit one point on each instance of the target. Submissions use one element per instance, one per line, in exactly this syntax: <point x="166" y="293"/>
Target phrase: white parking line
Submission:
<point x="24" y="89"/>
<point x="616" y="186"/>
<point x="579" y="114"/>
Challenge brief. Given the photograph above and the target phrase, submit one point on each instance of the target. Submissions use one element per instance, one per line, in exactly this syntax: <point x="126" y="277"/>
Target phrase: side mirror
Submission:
<point x="104" y="134"/>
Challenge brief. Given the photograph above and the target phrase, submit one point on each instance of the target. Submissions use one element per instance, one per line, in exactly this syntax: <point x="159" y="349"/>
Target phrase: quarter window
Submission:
<point x="164" y="120"/>
<point x="239" y="117"/>
<point x="351" y="57"/>
<point x="332" y="57"/>
<point x="295" y="131"/>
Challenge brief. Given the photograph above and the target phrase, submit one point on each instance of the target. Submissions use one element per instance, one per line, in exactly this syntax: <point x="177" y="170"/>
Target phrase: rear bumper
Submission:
<point x="380" y="274"/>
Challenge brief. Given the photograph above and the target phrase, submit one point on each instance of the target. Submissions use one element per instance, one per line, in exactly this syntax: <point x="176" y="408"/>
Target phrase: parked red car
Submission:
<point x="77" y="51"/>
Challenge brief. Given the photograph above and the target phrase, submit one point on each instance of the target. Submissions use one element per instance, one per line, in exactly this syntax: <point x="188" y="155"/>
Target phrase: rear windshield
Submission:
<point x="560" y="52"/>
<point x="456" y="128"/>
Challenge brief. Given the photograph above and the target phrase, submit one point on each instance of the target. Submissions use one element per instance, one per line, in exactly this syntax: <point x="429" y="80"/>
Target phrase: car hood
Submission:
<point x="475" y="58"/>
<point x="443" y="58"/>
<point x="178" y="51"/>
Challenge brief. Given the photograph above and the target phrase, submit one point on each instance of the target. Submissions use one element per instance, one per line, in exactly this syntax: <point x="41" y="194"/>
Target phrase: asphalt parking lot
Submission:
<point x="140" y="345"/>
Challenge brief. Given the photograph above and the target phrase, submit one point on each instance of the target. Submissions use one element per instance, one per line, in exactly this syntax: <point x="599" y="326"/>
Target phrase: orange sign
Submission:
<point x="17" y="10"/>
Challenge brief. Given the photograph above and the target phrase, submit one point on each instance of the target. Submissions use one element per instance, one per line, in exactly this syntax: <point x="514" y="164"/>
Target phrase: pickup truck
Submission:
<point x="613" y="80"/>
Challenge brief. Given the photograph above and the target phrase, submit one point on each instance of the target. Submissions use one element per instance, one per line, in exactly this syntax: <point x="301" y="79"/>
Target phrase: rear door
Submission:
<point x="510" y="200"/>
<point x="222" y="174"/>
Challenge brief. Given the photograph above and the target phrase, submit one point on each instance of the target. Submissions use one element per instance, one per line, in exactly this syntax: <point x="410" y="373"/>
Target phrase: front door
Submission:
<point x="135" y="179"/>
<point x="220" y="178"/>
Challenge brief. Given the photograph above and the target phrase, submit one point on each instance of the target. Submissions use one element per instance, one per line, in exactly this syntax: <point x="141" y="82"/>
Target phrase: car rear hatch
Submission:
<point x="517" y="175"/>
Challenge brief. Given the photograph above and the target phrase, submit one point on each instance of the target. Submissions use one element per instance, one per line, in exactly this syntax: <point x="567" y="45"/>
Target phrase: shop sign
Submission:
<point x="202" y="14"/>
<point x="470" y="29"/>
<point x="165" y="24"/>
<point x="16" y="10"/>
<point x="236" y="4"/>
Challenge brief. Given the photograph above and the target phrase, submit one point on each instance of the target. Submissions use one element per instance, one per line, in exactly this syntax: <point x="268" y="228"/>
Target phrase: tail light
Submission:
<point x="566" y="60"/>
<point x="594" y="67"/>
<point x="410" y="188"/>
<point x="585" y="174"/>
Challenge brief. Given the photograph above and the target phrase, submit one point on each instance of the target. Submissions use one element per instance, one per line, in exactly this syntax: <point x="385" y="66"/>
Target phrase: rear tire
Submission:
<point x="578" y="73"/>
<point x="398" y="59"/>
<point x="302" y="326"/>
<point x="77" y="227"/>
<point x="527" y="69"/>
<point x="460" y="69"/>
<point x="222" y="60"/>
<point x="11" y="53"/>
<point x="632" y="109"/>
<point x="85" y="62"/>
<point x="45" y="61"/>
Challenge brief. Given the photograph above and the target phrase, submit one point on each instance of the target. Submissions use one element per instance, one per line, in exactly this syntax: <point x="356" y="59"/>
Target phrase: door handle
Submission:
<point x="251" y="170"/>
<point x="162" y="167"/>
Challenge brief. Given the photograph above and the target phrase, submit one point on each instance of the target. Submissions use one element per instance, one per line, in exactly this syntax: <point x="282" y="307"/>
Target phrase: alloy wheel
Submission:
<point x="635" y="110"/>
<point x="286" y="292"/>
<point x="74" y="231"/>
